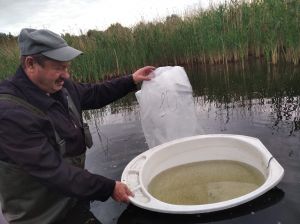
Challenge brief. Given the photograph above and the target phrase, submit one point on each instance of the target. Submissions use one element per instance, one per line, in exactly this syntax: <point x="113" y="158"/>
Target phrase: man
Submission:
<point x="43" y="138"/>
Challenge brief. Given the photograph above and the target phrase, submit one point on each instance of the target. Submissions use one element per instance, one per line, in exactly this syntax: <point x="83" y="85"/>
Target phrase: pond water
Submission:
<point x="260" y="101"/>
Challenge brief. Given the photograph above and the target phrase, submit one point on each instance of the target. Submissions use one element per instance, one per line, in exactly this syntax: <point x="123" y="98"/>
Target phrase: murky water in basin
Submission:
<point x="205" y="182"/>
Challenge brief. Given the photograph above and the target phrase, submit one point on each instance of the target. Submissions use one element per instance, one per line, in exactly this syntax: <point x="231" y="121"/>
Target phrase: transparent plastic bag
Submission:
<point x="166" y="106"/>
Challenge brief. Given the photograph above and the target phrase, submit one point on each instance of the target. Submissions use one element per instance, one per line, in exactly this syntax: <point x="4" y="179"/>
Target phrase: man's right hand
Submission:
<point x="121" y="192"/>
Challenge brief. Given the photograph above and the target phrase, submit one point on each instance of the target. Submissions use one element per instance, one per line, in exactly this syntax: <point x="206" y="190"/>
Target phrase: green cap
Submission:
<point x="47" y="43"/>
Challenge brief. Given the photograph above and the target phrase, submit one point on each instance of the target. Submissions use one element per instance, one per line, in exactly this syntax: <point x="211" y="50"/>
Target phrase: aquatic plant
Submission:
<point x="235" y="31"/>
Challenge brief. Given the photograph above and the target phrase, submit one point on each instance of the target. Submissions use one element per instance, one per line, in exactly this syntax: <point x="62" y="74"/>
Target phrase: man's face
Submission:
<point x="51" y="76"/>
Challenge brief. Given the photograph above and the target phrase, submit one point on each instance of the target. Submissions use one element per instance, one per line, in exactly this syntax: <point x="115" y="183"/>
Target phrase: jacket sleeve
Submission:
<point x="23" y="142"/>
<point x="94" y="96"/>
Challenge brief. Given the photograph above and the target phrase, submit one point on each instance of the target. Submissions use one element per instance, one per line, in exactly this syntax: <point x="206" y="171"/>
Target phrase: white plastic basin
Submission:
<point x="140" y="171"/>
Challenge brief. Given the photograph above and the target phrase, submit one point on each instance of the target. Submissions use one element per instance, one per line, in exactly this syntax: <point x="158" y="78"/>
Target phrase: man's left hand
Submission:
<point x="142" y="74"/>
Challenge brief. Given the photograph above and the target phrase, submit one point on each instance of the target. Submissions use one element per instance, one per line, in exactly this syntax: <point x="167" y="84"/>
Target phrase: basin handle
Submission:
<point x="270" y="161"/>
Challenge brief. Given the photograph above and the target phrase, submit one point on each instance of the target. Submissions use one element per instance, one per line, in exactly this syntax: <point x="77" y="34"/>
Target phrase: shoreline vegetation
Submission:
<point x="233" y="32"/>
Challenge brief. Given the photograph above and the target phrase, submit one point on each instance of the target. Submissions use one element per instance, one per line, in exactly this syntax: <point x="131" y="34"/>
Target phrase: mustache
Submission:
<point x="60" y="79"/>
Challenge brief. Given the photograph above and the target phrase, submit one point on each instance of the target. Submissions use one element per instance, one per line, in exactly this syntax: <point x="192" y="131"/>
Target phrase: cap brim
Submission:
<point x="62" y="54"/>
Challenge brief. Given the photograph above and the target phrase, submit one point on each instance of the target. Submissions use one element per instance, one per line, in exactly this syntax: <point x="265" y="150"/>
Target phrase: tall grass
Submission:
<point x="228" y="33"/>
<point x="9" y="56"/>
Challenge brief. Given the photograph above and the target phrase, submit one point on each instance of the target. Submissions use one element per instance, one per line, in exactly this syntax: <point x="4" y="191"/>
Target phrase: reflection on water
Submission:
<point x="267" y="96"/>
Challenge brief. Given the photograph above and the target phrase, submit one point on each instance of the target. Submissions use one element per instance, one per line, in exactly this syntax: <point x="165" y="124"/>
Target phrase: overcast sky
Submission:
<point x="71" y="16"/>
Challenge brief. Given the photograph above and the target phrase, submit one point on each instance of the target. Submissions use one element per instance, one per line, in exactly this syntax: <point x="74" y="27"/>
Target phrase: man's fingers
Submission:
<point x="150" y="69"/>
<point x="121" y="192"/>
<point x="129" y="192"/>
<point x="142" y="74"/>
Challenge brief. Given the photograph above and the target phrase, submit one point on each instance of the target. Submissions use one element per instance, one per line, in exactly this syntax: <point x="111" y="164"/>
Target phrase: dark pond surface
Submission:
<point x="262" y="102"/>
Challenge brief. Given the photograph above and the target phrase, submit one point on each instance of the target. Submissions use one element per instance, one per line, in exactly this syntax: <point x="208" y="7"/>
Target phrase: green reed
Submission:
<point x="9" y="56"/>
<point x="228" y="33"/>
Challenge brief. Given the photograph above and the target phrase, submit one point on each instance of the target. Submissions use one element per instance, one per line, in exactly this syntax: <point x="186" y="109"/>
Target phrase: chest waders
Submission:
<point x="23" y="199"/>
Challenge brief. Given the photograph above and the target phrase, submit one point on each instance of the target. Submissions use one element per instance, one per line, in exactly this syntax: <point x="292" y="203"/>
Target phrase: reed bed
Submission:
<point x="233" y="32"/>
<point x="9" y="55"/>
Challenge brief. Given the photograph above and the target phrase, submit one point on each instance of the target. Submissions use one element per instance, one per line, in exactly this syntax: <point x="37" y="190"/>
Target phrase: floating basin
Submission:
<point x="143" y="168"/>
